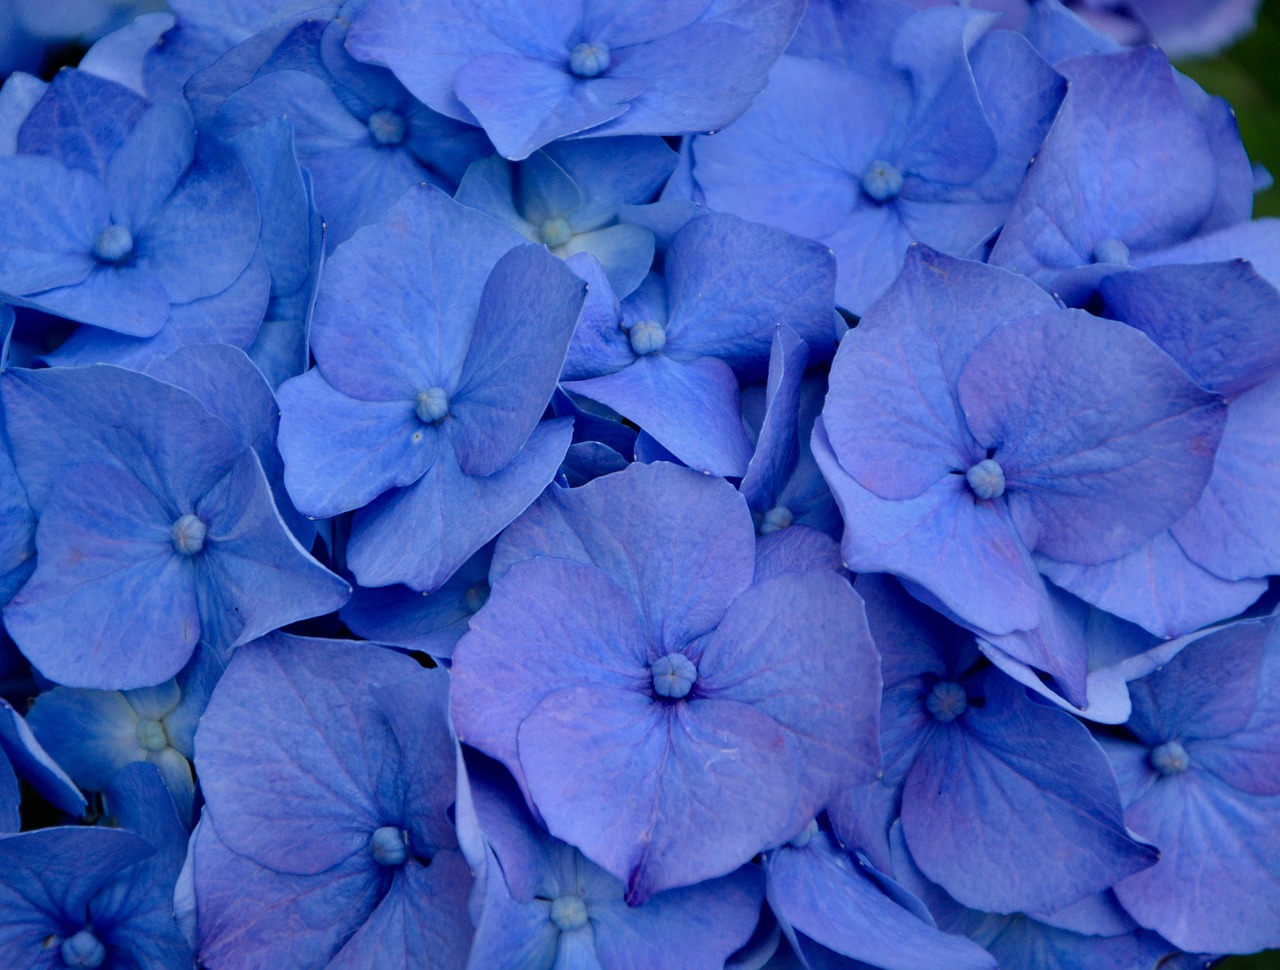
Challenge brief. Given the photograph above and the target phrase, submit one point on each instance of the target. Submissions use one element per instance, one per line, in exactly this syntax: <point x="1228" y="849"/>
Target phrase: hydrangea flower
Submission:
<point x="333" y="847"/>
<point x="112" y="200"/>
<point x="362" y="136"/>
<point x="577" y="197"/>
<point x="22" y="755"/>
<point x="530" y="75"/>
<point x="1006" y="803"/>
<point x="431" y="430"/>
<point x="967" y="425"/>
<point x="883" y="127"/>
<point x="93" y="897"/>
<point x="1199" y="770"/>
<point x="667" y="364"/>
<point x="1093" y="202"/>
<point x="157" y="529"/>
<point x="640" y="682"/>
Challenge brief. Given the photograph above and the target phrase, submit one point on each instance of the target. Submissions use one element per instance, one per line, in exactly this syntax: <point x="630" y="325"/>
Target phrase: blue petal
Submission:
<point x="81" y="121"/>
<point x="421" y="534"/>
<point x="983" y="801"/>
<point x="26" y="755"/>
<point x="526" y="317"/>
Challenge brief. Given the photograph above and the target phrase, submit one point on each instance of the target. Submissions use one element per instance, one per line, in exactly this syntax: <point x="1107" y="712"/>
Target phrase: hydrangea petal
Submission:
<point x="319" y="801"/>
<point x="705" y="526"/>
<point x="148" y="165"/>
<point x="766" y="653"/>
<point x="355" y="452"/>
<point x="1110" y="445"/>
<point x="587" y="752"/>
<point x="421" y="534"/>
<point x="819" y="891"/>
<point x="690" y="407"/>
<point x="1210" y="838"/>
<point x="254" y="575"/>
<point x="526" y="317"/>
<point x="439" y="252"/>
<point x="48" y="227"/>
<point x="107" y="581"/>
<point x="996" y="775"/>
<point x="1156" y="586"/>
<point x="591" y="634"/>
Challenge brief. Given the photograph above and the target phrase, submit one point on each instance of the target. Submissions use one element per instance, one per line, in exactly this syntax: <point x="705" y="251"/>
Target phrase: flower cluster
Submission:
<point x="584" y="484"/>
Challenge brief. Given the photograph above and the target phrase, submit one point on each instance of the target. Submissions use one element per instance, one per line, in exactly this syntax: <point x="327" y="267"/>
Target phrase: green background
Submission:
<point x="1248" y="75"/>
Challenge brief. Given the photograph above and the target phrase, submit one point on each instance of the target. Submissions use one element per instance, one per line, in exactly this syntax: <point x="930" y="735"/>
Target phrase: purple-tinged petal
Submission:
<point x="549" y="623"/>
<point x="1234" y="529"/>
<point x="690" y="407"/>
<point x="968" y="554"/>
<point x="1016" y="808"/>
<point x="819" y="891"/>
<point x="1257" y="241"/>
<point x="892" y="415"/>
<point x="127" y="299"/>
<point x="1214" y="319"/>
<point x="310" y="799"/>
<point x="704" y="526"/>
<point x="795" y="549"/>
<point x="111" y="604"/>
<point x="1126" y="160"/>
<point x="421" y="921"/>
<point x="1107" y="447"/>
<point x="421" y="534"/>
<point x="731" y="282"/>
<point x="249" y="913"/>
<point x="526" y="317"/>
<point x="630" y="782"/>
<point x="797" y="648"/>
<point x="777" y="448"/>
<point x="1216" y="887"/>
<point x="1156" y="586"/>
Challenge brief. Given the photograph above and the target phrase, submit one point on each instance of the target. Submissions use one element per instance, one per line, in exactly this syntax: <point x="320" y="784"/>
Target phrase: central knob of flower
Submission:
<point x="389" y="845"/>
<point x="555" y="231"/>
<point x="113" y="245"/>
<point x="648" y="337"/>
<point x="387" y="127"/>
<point x="805" y="837"/>
<point x="432" y="405"/>
<point x="475" y="597"/>
<point x="83" y="950"/>
<point x="1111" y="251"/>
<point x="151" y="735"/>
<point x="986" y="478"/>
<point x="568" y="913"/>
<point x="1170" y="758"/>
<point x="776" y="519"/>
<point x="589" y="60"/>
<point x="673" y="675"/>
<point x="947" y="701"/>
<point x="188" y="535"/>
<point x="882" y="180"/>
